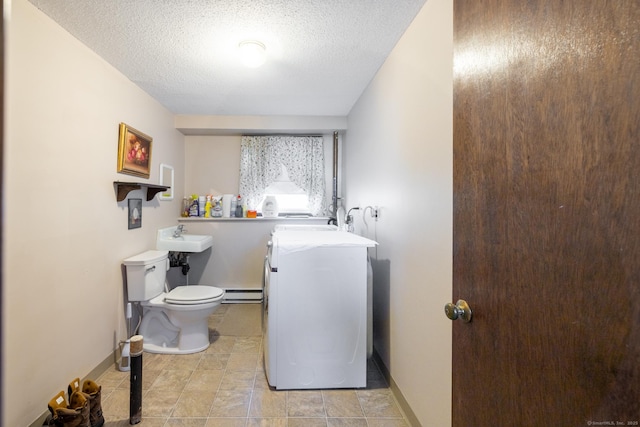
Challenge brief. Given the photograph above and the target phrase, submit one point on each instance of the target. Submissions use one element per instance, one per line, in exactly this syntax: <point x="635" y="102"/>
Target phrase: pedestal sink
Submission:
<point x="169" y="240"/>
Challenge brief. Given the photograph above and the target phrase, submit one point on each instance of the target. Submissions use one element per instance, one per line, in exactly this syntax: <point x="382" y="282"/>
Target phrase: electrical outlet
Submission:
<point x="375" y="212"/>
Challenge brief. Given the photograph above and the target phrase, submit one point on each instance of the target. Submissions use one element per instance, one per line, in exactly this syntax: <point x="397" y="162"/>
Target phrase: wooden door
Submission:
<point x="547" y="212"/>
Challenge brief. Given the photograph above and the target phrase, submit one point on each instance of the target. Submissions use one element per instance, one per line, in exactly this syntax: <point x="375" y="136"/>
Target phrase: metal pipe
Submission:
<point x="135" y="387"/>
<point x="334" y="212"/>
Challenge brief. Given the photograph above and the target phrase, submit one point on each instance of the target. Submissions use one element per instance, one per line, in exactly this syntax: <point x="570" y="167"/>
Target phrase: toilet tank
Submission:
<point x="146" y="274"/>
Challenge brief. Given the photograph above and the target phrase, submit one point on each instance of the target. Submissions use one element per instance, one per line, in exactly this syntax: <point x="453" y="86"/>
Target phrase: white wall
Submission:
<point x="398" y="155"/>
<point x="64" y="233"/>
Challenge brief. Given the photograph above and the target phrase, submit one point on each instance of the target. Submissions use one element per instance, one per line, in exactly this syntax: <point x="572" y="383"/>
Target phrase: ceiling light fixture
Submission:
<point x="252" y="53"/>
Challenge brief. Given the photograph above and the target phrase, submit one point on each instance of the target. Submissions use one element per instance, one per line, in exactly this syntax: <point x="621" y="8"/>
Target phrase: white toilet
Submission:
<point x="174" y="322"/>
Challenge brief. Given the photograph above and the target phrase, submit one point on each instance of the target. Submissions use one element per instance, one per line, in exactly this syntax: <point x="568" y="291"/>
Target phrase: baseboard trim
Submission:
<point x="102" y="367"/>
<point x="404" y="405"/>
<point x="242" y="295"/>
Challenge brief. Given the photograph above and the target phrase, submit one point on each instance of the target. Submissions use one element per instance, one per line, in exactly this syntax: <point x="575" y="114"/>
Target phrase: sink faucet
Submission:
<point x="179" y="230"/>
<point x="349" y="220"/>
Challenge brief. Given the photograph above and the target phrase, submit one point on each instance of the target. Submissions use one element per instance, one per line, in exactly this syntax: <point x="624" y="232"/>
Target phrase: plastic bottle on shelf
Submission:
<point x="226" y="205"/>
<point x="202" y="201"/>
<point x="207" y="208"/>
<point x="239" y="207"/>
<point x="186" y="207"/>
<point x="270" y="207"/>
<point x="193" y="209"/>
<point x="217" y="207"/>
<point x="232" y="208"/>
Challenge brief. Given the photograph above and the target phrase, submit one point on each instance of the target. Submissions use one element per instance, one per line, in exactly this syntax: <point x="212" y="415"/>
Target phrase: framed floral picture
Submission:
<point x="134" y="152"/>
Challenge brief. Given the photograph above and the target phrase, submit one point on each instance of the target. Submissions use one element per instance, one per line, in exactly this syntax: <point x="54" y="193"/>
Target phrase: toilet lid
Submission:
<point x="193" y="294"/>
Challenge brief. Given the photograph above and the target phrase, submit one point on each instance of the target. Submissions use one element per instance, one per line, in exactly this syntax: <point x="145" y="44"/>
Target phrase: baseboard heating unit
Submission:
<point x="242" y="295"/>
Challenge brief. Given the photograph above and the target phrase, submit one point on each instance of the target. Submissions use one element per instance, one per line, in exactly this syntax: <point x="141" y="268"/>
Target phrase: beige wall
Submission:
<point x="212" y="166"/>
<point x="64" y="233"/>
<point x="398" y="155"/>
<point x="236" y="259"/>
<point x="212" y="162"/>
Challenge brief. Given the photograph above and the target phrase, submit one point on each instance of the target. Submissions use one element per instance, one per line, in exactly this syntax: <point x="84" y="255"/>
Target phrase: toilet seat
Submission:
<point x="193" y="295"/>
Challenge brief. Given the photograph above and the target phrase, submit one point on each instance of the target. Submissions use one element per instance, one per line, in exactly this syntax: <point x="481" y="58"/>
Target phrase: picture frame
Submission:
<point x="134" y="152"/>
<point x="135" y="213"/>
<point x="166" y="179"/>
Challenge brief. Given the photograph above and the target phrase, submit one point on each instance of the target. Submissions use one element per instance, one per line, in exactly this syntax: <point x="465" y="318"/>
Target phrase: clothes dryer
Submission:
<point x="315" y="310"/>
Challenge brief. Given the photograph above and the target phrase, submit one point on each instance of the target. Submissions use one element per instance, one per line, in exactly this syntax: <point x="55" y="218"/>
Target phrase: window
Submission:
<point x="291" y="168"/>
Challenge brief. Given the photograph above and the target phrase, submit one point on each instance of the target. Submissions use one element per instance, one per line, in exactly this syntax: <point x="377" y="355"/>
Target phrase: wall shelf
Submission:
<point x="123" y="188"/>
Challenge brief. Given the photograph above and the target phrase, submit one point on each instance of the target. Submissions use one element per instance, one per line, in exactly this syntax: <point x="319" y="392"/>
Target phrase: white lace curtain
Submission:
<point x="261" y="160"/>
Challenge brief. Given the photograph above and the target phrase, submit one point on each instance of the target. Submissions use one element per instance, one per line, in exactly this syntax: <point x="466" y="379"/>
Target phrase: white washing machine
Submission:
<point x="305" y="227"/>
<point x="315" y="310"/>
<point x="328" y="227"/>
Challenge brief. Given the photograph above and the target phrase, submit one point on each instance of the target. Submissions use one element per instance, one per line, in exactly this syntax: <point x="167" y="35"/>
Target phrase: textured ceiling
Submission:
<point x="321" y="54"/>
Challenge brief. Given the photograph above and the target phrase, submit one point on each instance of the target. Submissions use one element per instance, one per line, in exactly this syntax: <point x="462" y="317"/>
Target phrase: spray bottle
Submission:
<point x="207" y="208"/>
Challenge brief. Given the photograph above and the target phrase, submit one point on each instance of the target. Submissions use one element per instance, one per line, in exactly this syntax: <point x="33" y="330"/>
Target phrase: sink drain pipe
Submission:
<point x="180" y="259"/>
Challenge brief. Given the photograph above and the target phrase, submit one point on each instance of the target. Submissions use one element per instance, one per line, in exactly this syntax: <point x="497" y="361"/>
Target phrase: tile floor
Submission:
<point x="226" y="386"/>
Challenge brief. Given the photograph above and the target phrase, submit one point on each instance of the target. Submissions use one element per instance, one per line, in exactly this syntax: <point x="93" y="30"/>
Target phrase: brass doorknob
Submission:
<point x="459" y="310"/>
